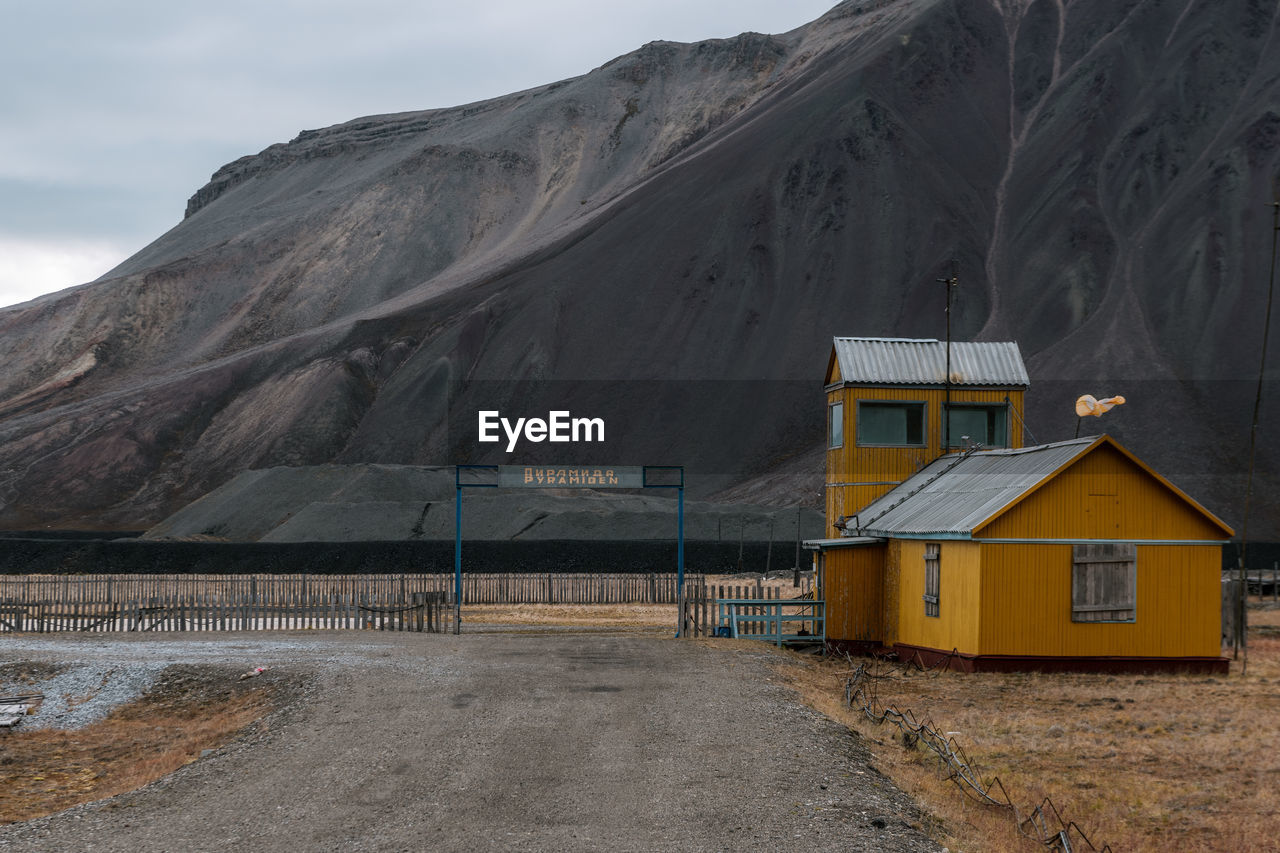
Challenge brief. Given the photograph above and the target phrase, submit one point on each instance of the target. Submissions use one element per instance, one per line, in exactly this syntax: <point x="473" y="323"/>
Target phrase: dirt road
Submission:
<point x="496" y="742"/>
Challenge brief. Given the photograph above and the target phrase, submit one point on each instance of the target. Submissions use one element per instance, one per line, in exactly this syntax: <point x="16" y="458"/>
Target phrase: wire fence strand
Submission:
<point x="1043" y="823"/>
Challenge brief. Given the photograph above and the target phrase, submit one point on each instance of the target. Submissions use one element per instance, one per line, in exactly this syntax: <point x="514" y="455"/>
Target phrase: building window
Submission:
<point x="932" y="577"/>
<point x="836" y="425"/>
<point x="1104" y="582"/>
<point x="985" y="425"/>
<point x="892" y="424"/>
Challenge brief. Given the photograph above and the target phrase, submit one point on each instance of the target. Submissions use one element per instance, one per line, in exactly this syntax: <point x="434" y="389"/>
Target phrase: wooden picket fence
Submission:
<point x="575" y="588"/>
<point x="267" y="589"/>
<point x="400" y="602"/>
<point x="423" y="612"/>
<point x="412" y="602"/>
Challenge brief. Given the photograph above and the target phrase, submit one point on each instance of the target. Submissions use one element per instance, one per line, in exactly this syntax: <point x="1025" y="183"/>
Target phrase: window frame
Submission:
<point x="932" y="580"/>
<point x="1099" y="569"/>
<point x="832" y="408"/>
<point x="921" y="405"/>
<point x="953" y="407"/>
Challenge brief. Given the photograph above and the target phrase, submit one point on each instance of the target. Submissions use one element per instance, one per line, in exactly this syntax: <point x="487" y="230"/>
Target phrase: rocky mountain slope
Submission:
<point x="670" y="241"/>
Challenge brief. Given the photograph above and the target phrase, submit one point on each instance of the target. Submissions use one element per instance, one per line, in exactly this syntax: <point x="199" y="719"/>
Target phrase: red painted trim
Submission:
<point x="867" y="648"/>
<point x="962" y="662"/>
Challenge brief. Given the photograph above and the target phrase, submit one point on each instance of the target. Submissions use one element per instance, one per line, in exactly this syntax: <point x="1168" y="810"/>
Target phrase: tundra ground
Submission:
<point x="1140" y="762"/>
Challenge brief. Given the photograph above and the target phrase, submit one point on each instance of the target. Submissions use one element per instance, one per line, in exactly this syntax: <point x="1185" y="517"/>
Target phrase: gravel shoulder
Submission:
<point x="564" y="741"/>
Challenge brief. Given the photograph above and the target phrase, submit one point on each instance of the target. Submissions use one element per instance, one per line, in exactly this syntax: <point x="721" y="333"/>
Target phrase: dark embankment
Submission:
<point x="132" y="556"/>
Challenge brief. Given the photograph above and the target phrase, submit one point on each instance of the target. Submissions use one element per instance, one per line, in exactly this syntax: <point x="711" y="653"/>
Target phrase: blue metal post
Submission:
<point x="457" y="558"/>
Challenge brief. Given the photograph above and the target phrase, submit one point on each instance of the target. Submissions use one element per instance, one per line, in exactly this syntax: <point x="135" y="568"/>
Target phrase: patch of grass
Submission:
<point x="46" y="770"/>
<point x="1140" y="762"/>
<point x="593" y="615"/>
<point x="610" y="615"/>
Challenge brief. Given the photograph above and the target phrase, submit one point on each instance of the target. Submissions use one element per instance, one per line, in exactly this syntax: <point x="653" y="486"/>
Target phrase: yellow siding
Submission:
<point x="959" y="592"/>
<point x="892" y="590"/>
<point x="853" y="589"/>
<point x="1026" y="604"/>
<point x="892" y="465"/>
<point x="1102" y="496"/>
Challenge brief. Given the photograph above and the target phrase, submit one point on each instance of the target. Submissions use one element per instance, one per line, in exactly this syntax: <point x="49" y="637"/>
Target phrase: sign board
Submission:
<point x="570" y="476"/>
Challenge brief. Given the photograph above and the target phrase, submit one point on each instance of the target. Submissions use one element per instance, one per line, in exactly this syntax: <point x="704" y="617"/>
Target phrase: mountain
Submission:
<point x="370" y="503"/>
<point x="669" y="243"/>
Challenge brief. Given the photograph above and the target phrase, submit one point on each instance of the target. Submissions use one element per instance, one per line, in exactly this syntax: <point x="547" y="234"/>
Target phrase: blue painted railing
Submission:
<point x="765" y="618"/>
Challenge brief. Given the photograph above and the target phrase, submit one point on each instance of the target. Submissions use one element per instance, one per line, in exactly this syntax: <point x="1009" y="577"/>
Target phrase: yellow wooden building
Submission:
<point x="1071" y="555"/>
<point x="887" y="410"/>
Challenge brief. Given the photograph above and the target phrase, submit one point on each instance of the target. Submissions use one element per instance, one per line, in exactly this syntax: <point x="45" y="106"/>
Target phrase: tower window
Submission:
<point x="836" y="425"/>
<point x="985" y="425"/>
<point x="891" y="424"/>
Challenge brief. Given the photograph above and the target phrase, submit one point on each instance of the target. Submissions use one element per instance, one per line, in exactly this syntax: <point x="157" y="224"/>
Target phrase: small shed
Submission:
<point x="1070" y="555"/>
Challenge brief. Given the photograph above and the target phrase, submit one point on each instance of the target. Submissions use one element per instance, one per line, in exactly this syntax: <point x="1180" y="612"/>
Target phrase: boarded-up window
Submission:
<point x="1104" y="582"/>
<point x="932" y="577"/>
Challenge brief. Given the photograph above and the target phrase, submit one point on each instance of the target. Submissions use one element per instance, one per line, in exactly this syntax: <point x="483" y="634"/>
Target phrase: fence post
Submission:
<point x="1241" y="621"/>
<point x="682" y="605"/>
<point x="691" y="596"/>
<point x="1229" y="595"/>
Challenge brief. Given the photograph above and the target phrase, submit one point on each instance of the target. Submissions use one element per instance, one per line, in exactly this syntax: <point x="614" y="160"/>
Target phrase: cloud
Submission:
<point x="29" y="268"/>
<point x="125" y="109"/>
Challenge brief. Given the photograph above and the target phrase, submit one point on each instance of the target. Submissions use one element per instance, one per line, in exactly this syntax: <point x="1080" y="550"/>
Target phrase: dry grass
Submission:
<point x="1140" y="762"/>
<point x="45" y="771"/>
<point x="605" y="615"/>
<point x="574" y="615"/>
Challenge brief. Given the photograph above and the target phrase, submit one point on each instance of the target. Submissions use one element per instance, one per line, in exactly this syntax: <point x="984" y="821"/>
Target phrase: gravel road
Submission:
<point x="566" y="741"/>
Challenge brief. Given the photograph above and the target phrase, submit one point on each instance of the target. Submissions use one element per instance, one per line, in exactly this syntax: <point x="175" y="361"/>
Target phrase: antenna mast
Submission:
<point x="946" y="406"/>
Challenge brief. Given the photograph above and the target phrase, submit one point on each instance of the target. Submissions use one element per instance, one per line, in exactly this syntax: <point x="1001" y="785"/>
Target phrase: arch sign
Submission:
<point x="565" y="477"/>
<point x="569" y="476"/>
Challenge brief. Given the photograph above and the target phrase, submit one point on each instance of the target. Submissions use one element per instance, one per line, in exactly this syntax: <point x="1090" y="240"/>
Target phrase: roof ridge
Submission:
<point x="1033" y="448"/>
<point x="890" y="340"/>
<point x="881" y="339"/>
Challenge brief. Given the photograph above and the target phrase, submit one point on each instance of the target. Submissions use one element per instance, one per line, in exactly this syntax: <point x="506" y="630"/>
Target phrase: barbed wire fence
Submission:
<point x="1043" y="824"/>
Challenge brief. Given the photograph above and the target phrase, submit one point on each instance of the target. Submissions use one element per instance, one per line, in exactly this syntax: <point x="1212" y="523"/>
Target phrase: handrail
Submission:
<point x="770" y="612"/>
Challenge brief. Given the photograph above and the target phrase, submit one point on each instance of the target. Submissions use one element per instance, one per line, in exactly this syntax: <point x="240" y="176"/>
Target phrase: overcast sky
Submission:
<point x="113" y="114"/>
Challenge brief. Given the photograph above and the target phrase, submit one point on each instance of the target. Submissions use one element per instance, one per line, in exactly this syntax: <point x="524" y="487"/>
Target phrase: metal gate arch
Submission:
<point x="566" y="477"/>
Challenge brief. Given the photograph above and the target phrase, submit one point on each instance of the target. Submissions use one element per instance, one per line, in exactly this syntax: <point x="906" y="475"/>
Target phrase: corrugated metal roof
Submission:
<point x="905" y="361"/>
<point x="842" y="542"/>
<point x="956" y="493"/>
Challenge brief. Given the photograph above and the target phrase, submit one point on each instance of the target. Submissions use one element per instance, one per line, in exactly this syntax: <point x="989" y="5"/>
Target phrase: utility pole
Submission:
<point x="1242" y="609"/>
<point x="796" y="568"/>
